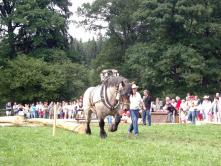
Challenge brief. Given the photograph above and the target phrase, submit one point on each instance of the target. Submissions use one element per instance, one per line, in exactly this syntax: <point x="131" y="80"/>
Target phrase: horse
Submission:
<point x="106" y="99"/>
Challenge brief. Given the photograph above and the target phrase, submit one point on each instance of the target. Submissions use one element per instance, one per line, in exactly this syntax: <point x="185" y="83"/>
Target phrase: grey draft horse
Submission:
<point x="106" y="99"/>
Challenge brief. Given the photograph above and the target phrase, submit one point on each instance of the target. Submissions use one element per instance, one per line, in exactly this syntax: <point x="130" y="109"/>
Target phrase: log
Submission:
<point x="7" y="125"/>
<point x="68" y="125"/>
<point x="12" y="119"/>
<point x="20" y="121"/>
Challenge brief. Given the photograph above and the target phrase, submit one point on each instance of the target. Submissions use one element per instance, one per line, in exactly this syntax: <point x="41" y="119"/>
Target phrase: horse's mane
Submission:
<point x="114" y="80"/>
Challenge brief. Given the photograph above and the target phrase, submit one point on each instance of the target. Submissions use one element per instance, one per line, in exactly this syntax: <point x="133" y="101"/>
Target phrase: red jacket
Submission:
<point x="178" y="104"/>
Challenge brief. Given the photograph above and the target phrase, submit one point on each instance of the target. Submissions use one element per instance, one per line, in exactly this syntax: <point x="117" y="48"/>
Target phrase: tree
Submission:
<point x="173" y="45"/>
<point x="28" y="25"/>
<point x="28" y="79"/>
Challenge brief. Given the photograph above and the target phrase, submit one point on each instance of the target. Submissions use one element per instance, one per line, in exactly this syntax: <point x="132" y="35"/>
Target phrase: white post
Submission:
<point x="55" y="118"/>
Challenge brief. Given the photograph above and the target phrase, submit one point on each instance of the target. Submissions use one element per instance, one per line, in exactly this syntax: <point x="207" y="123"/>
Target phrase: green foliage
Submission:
<point x="28" y="25"/>
<point x="169" y="46"/>
<point x="166" y="46"/>
<point x="27" y="79"/>
<point x="75" y="78"/>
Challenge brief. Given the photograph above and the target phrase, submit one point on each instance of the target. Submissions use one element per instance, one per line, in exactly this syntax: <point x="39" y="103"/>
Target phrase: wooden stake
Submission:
<point x="55" y="118"/>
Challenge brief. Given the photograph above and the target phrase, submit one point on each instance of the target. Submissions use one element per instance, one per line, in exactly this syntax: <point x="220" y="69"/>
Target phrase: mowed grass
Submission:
<point x="156" y="145"/>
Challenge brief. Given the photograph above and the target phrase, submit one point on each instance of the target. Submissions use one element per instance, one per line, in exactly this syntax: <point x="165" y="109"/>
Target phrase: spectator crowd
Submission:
<point x="64" y="110"/>
<point x="190" y="109"/>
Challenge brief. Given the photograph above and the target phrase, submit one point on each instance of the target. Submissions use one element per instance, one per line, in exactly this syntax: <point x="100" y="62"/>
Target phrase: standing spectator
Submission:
<point x="15" y="108"/>
<point x="215" y="107"/>
<point x="153" y="106"/>
<point x="80" y="105"/>
<point x="178" y="102"/>
<point x="65" y="109"/>
<point x="59" y="110"/>
<point x="183" y="111"/>
<point x="37" y="110"/>
<point x="135" y="103"/>
<point x="33" y="110"/>
<point x="51" y="110"/>
<point x="45" y="110"/>
<point x="192" y="111"/>
<point x="8" y="108"/>
<point x="40" y="110"/>
<point x="206" y="106"/>
<point x="62" y="114"/>
<point x="146" y="113"/>
<point x="69" y="108"/>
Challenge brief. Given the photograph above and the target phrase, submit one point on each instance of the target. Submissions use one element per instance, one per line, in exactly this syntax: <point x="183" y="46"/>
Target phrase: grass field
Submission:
<point x="156" y="145"/>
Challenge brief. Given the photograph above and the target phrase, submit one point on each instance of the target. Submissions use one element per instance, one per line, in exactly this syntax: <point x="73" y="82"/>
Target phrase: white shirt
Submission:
<point x="135" y="101"/>
<point x="206" y="106"/>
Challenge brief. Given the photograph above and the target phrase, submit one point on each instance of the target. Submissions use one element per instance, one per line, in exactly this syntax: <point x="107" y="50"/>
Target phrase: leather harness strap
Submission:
<point x="106" y="101"/>
<point x="104" y="98"/>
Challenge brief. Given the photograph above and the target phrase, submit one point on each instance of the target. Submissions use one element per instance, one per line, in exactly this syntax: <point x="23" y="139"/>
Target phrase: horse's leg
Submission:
<point x="88" y="120"/>
<point x="114" y="126"/>
<point x="103" y="134"/>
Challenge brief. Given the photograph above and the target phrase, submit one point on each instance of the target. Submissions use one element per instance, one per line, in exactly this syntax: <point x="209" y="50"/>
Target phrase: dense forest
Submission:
<point x="167" y="46"/>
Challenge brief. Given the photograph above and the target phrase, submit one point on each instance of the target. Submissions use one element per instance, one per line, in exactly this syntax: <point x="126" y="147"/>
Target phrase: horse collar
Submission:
<point x="105" y="100"/>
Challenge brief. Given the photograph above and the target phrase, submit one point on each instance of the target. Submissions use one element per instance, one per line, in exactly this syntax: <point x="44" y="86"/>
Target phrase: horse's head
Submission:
<point x="125" y="91"/>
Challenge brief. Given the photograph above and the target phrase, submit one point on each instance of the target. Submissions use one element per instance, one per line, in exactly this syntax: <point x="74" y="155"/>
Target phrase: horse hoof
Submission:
<point x="112" y="128"/>
<point x="103" y="135"/>
<point x="88" y="131"/>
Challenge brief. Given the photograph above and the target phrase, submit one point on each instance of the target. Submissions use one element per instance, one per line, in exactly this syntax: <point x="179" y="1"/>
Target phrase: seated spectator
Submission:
<point x="173" y="103"/>
<point x="183" y="111"/>
<point x="158" y="105"/>
<point x="26" y="111"/>
<point x="171" y="111"/>
<point x="8" y="108"/>
<point x="20" y="110"/>
<point x="125" y="116"/>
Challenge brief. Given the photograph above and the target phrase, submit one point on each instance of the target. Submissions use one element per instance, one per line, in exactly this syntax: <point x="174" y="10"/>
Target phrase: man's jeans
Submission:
<point x="170" y="117"/>
<point x="109" y="120"/>
<point x="146" y="114"/>
<point x="134" y="113"/>
<point x="193" y="117"/>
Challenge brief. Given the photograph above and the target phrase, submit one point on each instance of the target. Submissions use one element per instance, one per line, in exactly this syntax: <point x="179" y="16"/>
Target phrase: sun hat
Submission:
<point x="134" y="86"/>
<point x="206" y="97"/>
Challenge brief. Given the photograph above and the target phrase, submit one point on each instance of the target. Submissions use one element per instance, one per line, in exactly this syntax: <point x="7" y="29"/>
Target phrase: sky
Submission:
<point x="79" y="32"/>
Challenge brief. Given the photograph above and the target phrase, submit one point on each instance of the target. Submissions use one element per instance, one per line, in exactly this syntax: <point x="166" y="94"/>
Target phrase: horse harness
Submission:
<point x="104" y="98"/>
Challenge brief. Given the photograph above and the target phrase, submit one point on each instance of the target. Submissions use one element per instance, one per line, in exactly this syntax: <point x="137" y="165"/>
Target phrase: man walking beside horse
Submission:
<point x="135" y="103"/>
